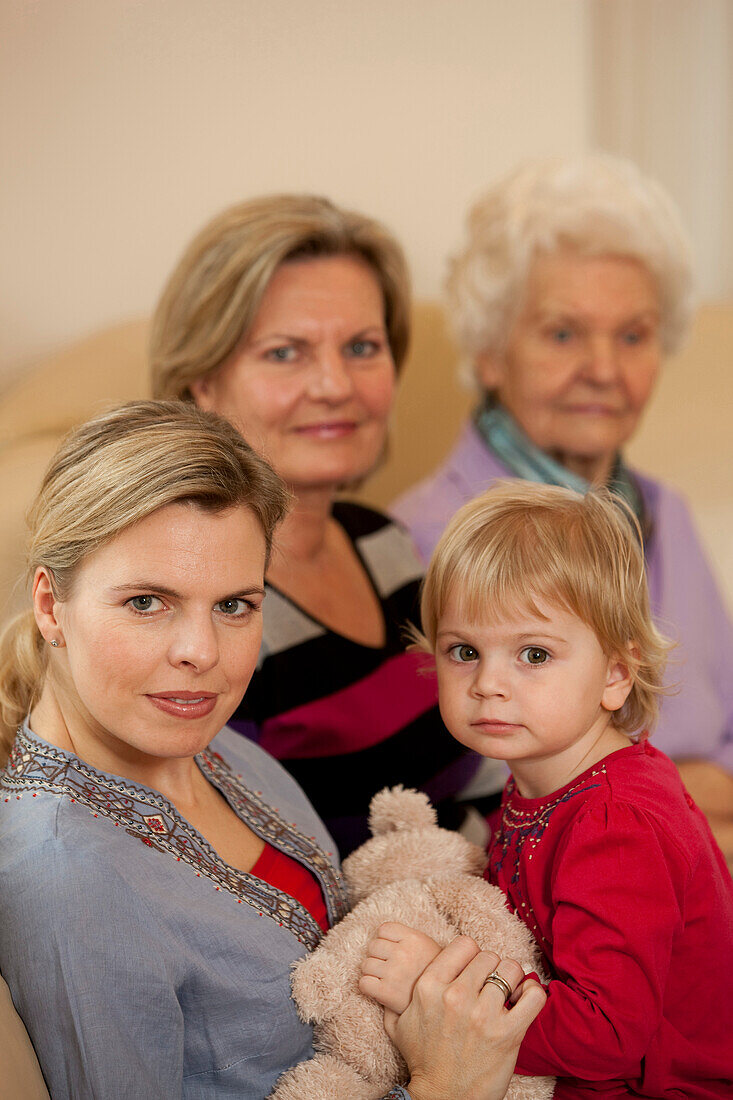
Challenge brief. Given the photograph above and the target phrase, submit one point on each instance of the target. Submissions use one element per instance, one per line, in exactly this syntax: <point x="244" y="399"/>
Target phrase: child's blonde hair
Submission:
<point x="520" y="543"/>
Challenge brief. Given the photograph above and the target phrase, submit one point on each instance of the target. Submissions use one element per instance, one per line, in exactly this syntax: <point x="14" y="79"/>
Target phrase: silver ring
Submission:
<point x="503" y="984"/>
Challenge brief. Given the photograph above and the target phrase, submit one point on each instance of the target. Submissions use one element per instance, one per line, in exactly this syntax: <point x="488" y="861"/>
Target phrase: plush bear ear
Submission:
<point x="395" y="810"/>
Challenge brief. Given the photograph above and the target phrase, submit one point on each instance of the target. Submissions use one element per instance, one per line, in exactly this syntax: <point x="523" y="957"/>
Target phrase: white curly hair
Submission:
<point x="594" y="204"/>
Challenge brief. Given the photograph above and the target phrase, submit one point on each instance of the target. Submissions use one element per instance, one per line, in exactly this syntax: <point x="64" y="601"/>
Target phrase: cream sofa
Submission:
<point x="685" y="437"/>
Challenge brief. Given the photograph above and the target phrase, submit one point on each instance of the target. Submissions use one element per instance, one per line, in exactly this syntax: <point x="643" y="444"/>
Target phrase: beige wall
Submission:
<point x="126" y="123"/>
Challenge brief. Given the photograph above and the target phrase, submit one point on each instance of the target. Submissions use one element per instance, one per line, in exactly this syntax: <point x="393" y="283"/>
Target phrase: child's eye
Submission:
<point x="463" y="653"/>
<point x="534" y="655"/>
<point x="145" y="604"/>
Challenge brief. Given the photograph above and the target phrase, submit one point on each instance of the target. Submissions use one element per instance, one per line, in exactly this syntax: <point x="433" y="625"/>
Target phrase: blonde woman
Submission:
<point x="573" y="284"/>
<point x="159" y="874"/>
<point x="290" y="316"/>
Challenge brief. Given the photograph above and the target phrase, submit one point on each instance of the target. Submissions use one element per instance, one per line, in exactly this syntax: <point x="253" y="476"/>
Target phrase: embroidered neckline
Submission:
<point x="148" y="816"/>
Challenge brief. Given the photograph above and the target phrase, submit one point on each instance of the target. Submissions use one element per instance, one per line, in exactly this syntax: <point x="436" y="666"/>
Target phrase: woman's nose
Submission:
<point x="195" y="644"/>
<point x="331" y="378"/>
<point x="601" y="361"/>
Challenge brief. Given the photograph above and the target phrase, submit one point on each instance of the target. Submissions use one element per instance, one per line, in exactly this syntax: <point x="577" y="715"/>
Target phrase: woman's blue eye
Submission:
<point x="233" y="606"/>
<point x="362" y="348"/>
<point x="281" y="355"/>
<point x="463" y="653"/>
<point x="144" y="603"/>
<point x="535" y="655"/>
<point x="562" y="335"/>
<point x="633" y="338"/>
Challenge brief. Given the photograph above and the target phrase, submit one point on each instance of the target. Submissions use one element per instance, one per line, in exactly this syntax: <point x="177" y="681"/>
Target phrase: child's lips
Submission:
<point x="496" y="725"/>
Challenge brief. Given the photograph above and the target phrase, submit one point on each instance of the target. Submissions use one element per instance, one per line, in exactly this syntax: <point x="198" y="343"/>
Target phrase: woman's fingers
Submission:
<point x="531" y="1000"/>
<point x="501" y="982"/>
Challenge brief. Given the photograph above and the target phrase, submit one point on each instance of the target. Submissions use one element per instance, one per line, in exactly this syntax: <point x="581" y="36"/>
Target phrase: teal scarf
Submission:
<point x="502" y="434"/>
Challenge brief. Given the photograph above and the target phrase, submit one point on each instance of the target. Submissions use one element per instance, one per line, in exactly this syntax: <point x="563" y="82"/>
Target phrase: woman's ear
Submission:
<point x="201" y="391"/>
<point x="490" y="370"/>
<point x="45" y="607"/>
<point x="620" y="679"/>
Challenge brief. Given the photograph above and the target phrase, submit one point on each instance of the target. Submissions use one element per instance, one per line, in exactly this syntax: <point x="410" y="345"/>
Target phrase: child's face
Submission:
<point x="535" y="692"/>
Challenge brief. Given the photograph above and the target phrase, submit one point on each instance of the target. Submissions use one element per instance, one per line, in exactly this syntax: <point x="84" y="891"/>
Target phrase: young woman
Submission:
<point x="159" y="874"/>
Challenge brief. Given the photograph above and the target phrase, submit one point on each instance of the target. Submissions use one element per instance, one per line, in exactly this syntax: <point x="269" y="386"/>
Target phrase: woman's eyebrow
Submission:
<point x="146" y="586"/>
<point x="164" y="590"/>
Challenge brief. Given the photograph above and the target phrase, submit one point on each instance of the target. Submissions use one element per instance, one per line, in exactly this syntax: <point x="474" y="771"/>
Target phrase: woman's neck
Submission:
<point x="596" y="470"/>
<point x="303" y="533"/>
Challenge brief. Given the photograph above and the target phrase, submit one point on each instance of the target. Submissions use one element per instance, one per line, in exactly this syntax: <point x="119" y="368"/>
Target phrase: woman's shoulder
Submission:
<point x="467" y="469"/>
<point x="384" y="545"/>
<point x="669" y="510"/>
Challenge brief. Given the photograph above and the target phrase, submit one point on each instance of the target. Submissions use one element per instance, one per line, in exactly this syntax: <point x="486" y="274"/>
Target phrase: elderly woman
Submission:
<point x="159" y="874"/>
<point x="290" y="317"/>
<point x="573" y="284"/>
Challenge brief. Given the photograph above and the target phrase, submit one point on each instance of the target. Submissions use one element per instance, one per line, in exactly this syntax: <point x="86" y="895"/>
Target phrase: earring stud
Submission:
<point x="54" y="642"/>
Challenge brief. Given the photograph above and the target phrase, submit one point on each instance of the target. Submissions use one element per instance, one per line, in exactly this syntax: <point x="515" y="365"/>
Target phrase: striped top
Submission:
<point x="348" y="719"/>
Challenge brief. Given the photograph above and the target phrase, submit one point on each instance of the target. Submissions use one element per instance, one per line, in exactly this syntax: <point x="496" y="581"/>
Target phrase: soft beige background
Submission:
<point x="126" y="125"/>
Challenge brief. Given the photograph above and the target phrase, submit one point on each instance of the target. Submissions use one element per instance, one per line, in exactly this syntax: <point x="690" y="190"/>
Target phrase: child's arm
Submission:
<point x="617" y="914"/>
<point x="395" y="959"/>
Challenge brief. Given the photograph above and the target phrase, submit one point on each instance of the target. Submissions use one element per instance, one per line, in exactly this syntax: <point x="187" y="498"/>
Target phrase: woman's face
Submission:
<point x="581" y="358"/>
<point x="311" y="386"/>
<point x="161" y="634"/>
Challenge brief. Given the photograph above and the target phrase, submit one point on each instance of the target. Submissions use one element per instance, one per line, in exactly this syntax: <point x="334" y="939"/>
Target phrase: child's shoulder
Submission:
<point x="642" y="788"/>
<point x="645" y="775"/>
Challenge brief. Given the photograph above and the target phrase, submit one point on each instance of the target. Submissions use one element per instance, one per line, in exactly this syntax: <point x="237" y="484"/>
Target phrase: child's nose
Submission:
<point x="491" y="679"/>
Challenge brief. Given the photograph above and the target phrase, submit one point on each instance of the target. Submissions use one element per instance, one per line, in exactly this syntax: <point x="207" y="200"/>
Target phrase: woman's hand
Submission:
<point x="459" y="1040"/>
<point x="395" y="959"/>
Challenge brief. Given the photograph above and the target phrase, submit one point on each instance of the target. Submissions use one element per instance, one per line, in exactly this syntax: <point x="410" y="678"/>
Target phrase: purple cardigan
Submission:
<point x="686" y="602"/>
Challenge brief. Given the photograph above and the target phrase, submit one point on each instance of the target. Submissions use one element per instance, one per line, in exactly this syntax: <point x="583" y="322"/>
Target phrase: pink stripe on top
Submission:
<point x="357" y="717"/>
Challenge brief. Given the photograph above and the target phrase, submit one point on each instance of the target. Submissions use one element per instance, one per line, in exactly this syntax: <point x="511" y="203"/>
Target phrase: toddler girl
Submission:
<point x="536" y="609"/>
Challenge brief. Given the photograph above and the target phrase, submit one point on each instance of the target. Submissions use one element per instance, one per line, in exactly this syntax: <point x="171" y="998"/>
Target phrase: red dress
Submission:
<point x="292" y="878"/>
<point x="628" y="895"/>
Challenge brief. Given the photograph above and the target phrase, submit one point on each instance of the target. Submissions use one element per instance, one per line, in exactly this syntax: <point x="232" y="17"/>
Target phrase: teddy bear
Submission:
<point x="423" y="876"/>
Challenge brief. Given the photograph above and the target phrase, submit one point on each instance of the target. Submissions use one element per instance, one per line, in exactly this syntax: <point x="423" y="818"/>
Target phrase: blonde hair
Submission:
<point x="107" y="475"/>
<point x="520" y="543"/>
<point x="595" y="205"/>
<point x="213" y="295"/>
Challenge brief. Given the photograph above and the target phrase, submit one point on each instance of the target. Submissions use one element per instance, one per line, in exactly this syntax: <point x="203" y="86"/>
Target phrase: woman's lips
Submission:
<point x="184" y="704"/>
<point x="593" y="409"/>
<point x="335" y="429"/>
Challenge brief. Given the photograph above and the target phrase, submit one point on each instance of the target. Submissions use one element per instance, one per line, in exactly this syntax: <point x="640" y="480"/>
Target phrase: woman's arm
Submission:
<point x="91" y="984"/>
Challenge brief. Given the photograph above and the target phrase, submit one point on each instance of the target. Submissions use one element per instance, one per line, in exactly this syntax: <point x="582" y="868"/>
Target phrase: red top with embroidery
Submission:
<point x="286" y="874"/>
<point x="619" y="878"/>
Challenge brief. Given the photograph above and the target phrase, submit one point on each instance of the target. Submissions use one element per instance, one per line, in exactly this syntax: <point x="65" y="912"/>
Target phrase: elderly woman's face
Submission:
<point x="161" y="633"/>
<point x="311" y="387"/>
<point x="581" y="359"/>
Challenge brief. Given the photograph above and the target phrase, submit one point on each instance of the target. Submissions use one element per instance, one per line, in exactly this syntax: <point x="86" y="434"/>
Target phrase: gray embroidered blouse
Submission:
<point x="142" y="965"/>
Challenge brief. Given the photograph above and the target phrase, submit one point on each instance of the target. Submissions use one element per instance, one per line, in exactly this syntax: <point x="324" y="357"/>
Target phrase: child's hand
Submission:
<point x="395" y="959"/>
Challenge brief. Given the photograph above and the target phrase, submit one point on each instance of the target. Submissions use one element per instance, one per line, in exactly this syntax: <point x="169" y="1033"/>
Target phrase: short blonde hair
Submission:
<point x="108" y="474"/>
<point x="520" y="543"/>
<point x="595" y="205"/>
<point x="213" y="295"/>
